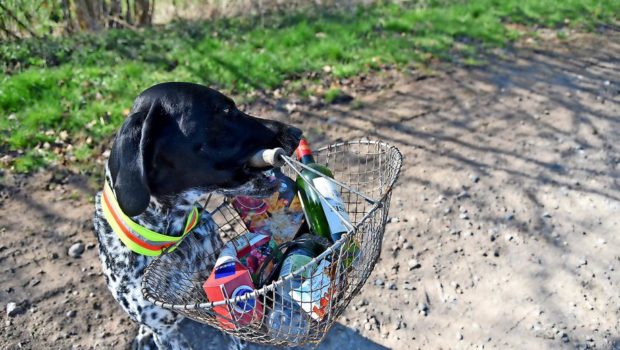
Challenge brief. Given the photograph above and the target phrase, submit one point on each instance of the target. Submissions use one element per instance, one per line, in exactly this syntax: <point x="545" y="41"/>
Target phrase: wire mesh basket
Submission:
<point x="365" y="173"/>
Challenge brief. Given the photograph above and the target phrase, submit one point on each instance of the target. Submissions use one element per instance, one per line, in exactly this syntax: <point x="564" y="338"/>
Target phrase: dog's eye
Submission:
<point x="226" y="110"/>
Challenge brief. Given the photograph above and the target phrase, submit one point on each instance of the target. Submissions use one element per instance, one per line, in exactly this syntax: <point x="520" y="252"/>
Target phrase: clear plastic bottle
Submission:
<point x="287" y="320"/>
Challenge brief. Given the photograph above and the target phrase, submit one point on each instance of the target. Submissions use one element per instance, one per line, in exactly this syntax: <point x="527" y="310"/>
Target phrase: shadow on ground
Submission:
<point x="509" y="202"/>
<point x="339" y="337"/>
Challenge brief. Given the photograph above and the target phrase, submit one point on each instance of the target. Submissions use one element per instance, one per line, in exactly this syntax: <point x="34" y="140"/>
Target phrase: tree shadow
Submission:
<point x="541" y="124"/>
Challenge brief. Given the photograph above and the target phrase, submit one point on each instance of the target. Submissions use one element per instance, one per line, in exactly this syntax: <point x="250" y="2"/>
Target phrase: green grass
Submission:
<point x="331" y="95"/>
<point x="77" y="90"/>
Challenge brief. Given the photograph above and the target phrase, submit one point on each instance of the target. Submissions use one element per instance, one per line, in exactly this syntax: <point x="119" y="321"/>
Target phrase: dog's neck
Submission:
<point x="167" y="215"/>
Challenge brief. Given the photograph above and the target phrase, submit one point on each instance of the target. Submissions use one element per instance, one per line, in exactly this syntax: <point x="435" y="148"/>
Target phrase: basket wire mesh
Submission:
<point x="365" y="173"/>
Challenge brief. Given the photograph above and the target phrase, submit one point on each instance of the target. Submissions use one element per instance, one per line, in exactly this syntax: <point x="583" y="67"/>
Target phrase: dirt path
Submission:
<point x="506" y="217"/>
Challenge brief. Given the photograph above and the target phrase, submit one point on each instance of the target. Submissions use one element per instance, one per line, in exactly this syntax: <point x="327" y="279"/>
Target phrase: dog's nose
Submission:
<point x="295" y="133"/>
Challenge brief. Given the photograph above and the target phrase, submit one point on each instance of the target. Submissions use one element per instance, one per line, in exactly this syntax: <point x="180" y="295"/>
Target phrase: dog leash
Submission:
<point x="140" y="239"/>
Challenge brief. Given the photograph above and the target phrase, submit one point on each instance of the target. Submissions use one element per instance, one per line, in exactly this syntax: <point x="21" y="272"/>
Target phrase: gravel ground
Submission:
<point x="504" y="223"/>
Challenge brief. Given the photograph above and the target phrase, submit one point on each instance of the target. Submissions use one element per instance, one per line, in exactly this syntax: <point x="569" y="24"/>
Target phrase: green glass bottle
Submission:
<point x="321" y="219"/>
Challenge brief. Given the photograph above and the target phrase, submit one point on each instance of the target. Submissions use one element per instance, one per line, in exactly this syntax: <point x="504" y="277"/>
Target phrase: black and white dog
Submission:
<point x="180" y="142"/>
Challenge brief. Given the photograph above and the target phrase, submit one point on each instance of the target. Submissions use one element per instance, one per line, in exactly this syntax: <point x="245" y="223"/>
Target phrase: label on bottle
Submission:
<point x="315" y="294"/>
<point x="329" y="191"/>
<point x="294" y="262"/>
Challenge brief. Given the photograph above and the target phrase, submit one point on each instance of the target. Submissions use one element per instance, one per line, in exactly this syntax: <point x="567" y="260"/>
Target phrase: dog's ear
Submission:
<point x="126" y="163"/>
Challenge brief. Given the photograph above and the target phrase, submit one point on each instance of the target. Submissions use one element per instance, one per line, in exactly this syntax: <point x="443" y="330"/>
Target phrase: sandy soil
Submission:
<point x="504" y="223"/>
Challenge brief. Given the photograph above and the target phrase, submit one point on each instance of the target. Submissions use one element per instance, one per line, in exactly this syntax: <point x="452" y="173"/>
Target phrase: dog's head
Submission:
<point x="182" y="136"/>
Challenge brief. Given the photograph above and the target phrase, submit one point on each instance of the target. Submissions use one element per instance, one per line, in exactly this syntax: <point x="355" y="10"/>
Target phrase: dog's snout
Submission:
<point x="295" y="133"/>
<point x="290" y="138"/>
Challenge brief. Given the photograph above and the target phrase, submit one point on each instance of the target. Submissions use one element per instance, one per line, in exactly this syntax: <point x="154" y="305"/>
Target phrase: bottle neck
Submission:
<point x="304" y="153"/>
<point x="307" y="159"/>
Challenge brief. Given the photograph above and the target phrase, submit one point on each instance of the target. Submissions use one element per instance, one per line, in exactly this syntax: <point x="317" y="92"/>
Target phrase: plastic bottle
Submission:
<point x="287" y="321"/>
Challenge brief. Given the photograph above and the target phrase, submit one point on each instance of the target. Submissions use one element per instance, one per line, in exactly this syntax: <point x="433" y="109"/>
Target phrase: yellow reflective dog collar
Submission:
<point x="140" y="239"/>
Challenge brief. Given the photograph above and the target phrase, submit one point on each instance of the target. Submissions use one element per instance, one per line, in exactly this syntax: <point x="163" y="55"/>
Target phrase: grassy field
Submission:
<point x="61" y="97"/>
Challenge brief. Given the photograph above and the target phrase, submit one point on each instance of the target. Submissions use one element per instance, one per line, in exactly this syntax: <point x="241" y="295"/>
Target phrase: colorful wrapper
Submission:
<point x="278" y="216"/>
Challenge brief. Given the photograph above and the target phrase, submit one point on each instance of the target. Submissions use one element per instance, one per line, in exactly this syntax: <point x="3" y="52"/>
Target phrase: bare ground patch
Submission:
<point x="509" y="204"/>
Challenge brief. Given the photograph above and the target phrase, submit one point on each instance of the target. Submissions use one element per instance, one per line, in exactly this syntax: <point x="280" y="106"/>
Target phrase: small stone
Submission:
<point x="76" y="250"/>
<point x="379" y="282"/>
<point x="408" y="286"/>
<point x="459" y="336"/>
<point x="391" y="286"/>
<point x="548" y="334"/>
<point x="423" y="307"/>
<point x="464" y="216"/>
<point x="582" y="261"/>
<point x="413" y="264"/>
<point x="509" y="217"/>
<point x="462" y="194"/>
<point x="12" y="309"/>
<point x="474" y="178"/>
<point x="447" y="211"/>
<point x="362" y="302"/>
<point x="33" y="282"/>
<point x="407" y="245"/>
<point x="394" y="220"/>
<point x="508" y="237"/>
<point x="546" y="215"/>
<point x="384" y="332"/>
<point x="71" y="313"/>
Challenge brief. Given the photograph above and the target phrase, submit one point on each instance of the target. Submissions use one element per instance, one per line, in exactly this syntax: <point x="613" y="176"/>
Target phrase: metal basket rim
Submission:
<point x="272" y="286"/>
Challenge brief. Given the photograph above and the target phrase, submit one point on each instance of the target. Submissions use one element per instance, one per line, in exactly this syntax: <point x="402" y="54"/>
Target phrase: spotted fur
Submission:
<point x="123" y="269"/>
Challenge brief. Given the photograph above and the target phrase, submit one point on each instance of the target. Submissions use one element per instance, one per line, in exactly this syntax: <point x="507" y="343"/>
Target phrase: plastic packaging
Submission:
<point x="287" y="320"/>
<point x="279" y="216"/>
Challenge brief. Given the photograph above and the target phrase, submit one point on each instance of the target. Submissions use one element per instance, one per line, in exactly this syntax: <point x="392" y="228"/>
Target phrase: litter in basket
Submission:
<point x="301" y="307"/>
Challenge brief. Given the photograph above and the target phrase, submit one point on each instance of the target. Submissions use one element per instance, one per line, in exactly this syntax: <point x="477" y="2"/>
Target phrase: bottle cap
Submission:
<point x="303" y="149"/>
